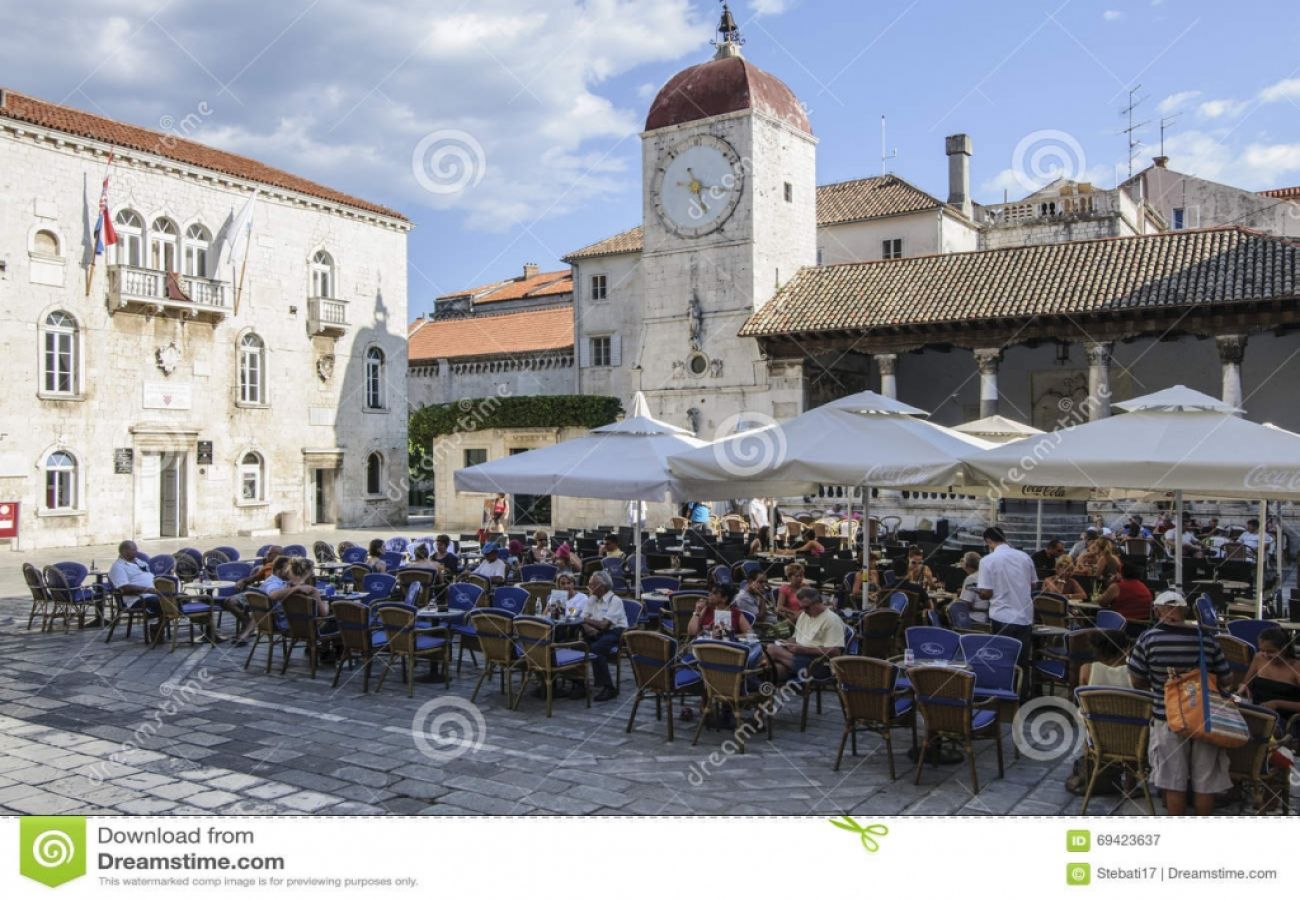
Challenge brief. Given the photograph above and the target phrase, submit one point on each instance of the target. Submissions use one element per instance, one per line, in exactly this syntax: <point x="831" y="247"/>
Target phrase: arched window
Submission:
<point x="375" y="473"/>
<point x="252" y="370"/>
<point x="46" y="243"/>
<point x="322" y="275"/>
<point x="60" y="481"/>
<point x="197" y="242"/>
<point x="374" y="378"/>
<point x="129" y="249"/>
<point x="59" y="354"/>
<point x="164" y="251"/>
<point x="252" y="478"/>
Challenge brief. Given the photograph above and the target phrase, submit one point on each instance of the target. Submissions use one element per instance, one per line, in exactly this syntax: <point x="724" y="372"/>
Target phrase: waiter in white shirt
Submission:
<point x="1006" y="580"/>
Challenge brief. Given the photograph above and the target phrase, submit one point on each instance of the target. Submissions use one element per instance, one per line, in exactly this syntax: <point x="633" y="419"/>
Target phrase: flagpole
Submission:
<point x="243" y="267"/>
<point x="103" y="212"/>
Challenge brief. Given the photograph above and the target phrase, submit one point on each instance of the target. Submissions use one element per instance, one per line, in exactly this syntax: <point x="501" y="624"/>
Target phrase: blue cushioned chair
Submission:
<point x="378" y="586"/>
<point x="509" y="600"/>
<point x="231" y="553"/>
<point x="162" y="564"/>
<point x="936" y="644"/>
<point x="396" y="545"/>
<point x="354" y="555"/>
<point x="660" y="583"/>
<point x="1249" y="630"/>
<point x="360" y="640"/>
<point x="1111" y="620"/>
<point x="945" y="699"/>
<point x="392" y="560"/>
<point x="870" y="698"/>
<point x="1206" y="614"/>
<point x="296" y="550"/>
<point x="463" y="596"/>
<point x="538" y="572"/>
<point x="548" y="660"/>
<point x="658" y="673"/>
<point x="409" y="642"/>
<point x="898" y="602"/>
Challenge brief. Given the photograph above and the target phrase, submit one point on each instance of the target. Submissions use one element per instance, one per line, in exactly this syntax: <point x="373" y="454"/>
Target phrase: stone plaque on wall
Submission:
<point x="161" y="395"/>
<point x="204" y="453"/>
<point x="123" y="461"/>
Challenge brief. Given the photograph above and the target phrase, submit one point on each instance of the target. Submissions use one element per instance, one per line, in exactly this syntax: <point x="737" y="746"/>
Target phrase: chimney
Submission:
<point x="530" y="270"/>
<point x="958" y="148"/>
<point x="1161" y="162"/>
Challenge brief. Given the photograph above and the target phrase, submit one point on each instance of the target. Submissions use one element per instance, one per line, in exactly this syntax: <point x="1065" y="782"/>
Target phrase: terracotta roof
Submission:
<point x="530" y="331"/>
<point x="1289" y="193"/>
<point x="118" y="134"/>
<point x="869" y="198"/>
<point x="844" y="201"/>
<point x="543" y="284"/>
<point x="722" y="86"/>
<point x="1172" y="270"/>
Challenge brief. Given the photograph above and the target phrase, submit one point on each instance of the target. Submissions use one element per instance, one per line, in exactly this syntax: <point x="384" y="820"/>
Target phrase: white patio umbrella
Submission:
<point x="626" y="460"/>
<point x="1175" y="440"/>
<point x="864" y="439"/>
<point x="1001" y="430"/>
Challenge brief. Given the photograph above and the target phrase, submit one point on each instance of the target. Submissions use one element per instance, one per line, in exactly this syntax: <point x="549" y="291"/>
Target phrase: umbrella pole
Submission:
<point x="1261" y="554"/>
<point x="1178" y="532"/>
<point x="866" y="540"/>
<point x="1277" y="544"/>
<point x="640" y="549"/>
<point x="1038" y="525"/>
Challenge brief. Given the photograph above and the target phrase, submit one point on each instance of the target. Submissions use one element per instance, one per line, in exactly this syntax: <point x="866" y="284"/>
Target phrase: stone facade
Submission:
<point x="448" y="380"/>
<point x="159" y="441"/>
<point x="1185" y="201"/>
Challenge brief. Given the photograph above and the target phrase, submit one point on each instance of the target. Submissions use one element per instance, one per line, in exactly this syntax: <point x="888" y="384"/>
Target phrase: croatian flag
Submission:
<point x="104" y="233"/>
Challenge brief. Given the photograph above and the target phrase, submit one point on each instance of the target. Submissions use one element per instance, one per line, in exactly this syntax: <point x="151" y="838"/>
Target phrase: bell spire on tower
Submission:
<point x="729" y="40"/>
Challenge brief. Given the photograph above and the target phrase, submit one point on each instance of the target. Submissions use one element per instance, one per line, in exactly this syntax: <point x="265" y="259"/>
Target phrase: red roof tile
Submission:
<point x="530" y="331"/>
<point x="22" y="108"/>
<point x="1288" y="193"/>
<point x="722" y="86"/>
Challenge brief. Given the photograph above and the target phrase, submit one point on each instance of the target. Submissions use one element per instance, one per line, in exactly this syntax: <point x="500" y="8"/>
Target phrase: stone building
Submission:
<point x="171" y="396"/>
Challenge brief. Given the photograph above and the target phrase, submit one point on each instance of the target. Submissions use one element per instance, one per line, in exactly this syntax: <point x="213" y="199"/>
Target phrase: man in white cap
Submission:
<point x="1178" y="761"/>
<point x="493" y="568"/>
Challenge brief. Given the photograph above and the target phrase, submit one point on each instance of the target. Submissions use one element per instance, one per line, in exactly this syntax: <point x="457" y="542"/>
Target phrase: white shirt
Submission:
<point x="757" y="511"/>
<point x="609" y="607"/>
<point x="134" y="573"/>
<point x="577" y="603"/>
<point x="489" y="568"/>
<point x="1251" y="540"/>
<point x="1009" y="574"/>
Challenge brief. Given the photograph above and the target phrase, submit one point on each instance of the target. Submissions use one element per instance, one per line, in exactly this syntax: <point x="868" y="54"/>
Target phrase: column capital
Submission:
<point x="1098" y="352"/>
<point x="986" y="360"/>
<point x="887" y="363"/>
<point x="1232" y="347"/>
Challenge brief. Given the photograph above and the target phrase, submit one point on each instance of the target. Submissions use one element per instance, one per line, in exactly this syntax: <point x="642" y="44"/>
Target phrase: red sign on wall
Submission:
<point x="8" y="520"/>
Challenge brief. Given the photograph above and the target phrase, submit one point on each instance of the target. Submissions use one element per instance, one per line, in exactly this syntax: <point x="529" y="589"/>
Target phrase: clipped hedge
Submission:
<point x="565" y="410"/>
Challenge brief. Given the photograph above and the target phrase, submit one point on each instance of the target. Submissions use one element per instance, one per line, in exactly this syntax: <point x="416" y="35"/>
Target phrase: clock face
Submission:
<point x="697" y="185"/>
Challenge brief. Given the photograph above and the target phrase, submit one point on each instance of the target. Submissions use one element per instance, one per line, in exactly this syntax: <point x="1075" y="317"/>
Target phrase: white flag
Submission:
<point x="236" y="246"/>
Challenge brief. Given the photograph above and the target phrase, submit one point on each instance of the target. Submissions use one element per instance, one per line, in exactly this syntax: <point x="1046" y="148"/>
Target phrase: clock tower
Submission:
<point x="729" y="215"/>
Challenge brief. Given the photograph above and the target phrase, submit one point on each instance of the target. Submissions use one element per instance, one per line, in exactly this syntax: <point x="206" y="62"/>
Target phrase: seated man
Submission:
<point x="818" y="636"/>
<point x="1251" y="536"/>
<point x="1045" y="559"/>
<point x="237" y="606"/>
<point x="493" y="567"/>
<point x="611" y="548"/>
<point x="132" y="579"/>
<point x="604" y="621"/>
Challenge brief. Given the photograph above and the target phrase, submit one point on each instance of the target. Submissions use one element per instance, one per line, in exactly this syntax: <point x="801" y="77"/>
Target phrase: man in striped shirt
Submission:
<point x="1178" y="761"/>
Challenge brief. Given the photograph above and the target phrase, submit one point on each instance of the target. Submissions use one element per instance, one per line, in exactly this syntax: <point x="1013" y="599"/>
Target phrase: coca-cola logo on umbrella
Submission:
<point x="1272" y="478"/>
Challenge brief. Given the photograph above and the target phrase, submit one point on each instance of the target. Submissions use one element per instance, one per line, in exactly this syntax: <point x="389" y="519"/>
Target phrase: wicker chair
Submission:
<point x="1057" y="669"/>
<point x="359" y="640"/>
<point x="1118" y="722"/>
<point x="869" y="699"/>
<point x="676" y="616"/>
<point x="538" y="593"/>
<point x="1052" y="609"/>
<point x="500" y="653"/>
<point x="41" y="601"/>
<point x="1238" y="653"/>
<point x="356" y="573"/>
<point x="727" y="683"/>
<point x="653" y="658"/>
<point x="878" y="633"/>
<point x="422" y="577"/>
<point x="175" y="606"/>
<point x="547" y="660"/>
<point x="1248" y="764"/>
<point x="303" y="628"/>
<point x="479" y="581"/>
<point x="268" y="625"/>
<point x="409" y="643"/>
<point x="945" y="699"/>
<point x="66" y="600"/>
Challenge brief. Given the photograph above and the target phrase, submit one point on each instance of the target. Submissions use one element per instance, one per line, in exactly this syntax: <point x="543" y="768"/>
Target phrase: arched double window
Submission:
<point x="322" y="274"/>
<point x="59" y="354"/>
<point x="197" y="242"/>
<point x="60" y="481"/>
<point x="375" y="378"/>
<point x="252" y="370"/>
<point x="129" y="249"/>
<point x="375" y="473"/>
<point x="252" y="478"/>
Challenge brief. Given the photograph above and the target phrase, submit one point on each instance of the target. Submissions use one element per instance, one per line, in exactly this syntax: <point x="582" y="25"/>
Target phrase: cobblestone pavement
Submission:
<point x="96" y="728"/>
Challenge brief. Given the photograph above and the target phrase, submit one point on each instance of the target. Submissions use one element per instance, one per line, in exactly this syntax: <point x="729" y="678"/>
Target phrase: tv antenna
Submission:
<point x="1134" y="101"/>
<point x="885" y="155"/>
<point x="1165" y="124"/>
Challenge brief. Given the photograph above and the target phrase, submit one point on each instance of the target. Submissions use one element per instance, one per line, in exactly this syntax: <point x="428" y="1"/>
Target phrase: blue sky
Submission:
<point x="545" y="99"/>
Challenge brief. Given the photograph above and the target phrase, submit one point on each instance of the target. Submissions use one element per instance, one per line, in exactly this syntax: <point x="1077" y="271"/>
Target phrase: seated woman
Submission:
<point x="420" y="559"/>
<point x="1273" y="680"/>
<point x="918" y="572"/>
<point x="1064" y="582"/>
<point x="540" y="551"/>
<point x="754" y="597"/>
<point x="1129" y="596"/>
<point x="969" y="594"/>
<point x="762" y="542"/>
<point x="375" y="557"/>
<point x="1108" y="565"/>
<point x="576" y="605"/>
<point x="787" y="604"/>
<point x="873" y="579"/>
<point x="1110" y="665"/>
<point x="810" y="545"/>
<point x="716" y="617"/>
<point x="443" y="556"/>
<point x="565" y="560"/>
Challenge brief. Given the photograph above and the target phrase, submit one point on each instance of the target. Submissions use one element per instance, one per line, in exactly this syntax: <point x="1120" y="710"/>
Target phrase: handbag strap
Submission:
<point x="1205" y="678"/>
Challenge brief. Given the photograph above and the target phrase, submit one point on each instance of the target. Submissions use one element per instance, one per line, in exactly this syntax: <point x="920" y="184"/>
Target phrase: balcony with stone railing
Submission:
<point x="1074" y="204"/>
<point x="328" y="316"/>
<point x="154" y="292"/>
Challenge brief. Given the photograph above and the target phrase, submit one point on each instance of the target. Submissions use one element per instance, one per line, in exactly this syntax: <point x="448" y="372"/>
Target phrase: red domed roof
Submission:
<point x="721" y="86"/>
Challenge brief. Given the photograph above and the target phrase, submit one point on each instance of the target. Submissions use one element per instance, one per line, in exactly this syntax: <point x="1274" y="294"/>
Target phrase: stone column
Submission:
<point x="1231" y="349"/>
<point x="987" y="362"/>
<point x="1098" y="353"/>
<point x="887" y="363"/>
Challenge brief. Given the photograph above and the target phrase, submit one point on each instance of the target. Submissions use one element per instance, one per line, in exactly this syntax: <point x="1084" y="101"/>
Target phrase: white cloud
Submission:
<point x="1175" y="102"/>
<point x="770" y="7"/>
<point x="1218" y="109"/>
<point x="1287" y="89"/>
<point x="1254" y="166"/>
<point x="1112" y="15"/>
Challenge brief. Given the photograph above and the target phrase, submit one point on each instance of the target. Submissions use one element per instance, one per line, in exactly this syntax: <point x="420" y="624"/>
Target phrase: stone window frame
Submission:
<point x="261" y="472"/>
<point x="77" y="334"/>
<point x="263" y="399"/>
<point x="322" y="271"/>
<point x="77" y="483"/>
<point x="376" y="471"/>
<point x="374" y="366"/>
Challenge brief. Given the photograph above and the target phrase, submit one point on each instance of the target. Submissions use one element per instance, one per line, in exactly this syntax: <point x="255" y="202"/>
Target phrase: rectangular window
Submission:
<point x="891" y="248"/>
<point x="599" y="287"/>
<point x="250" y="487"/>
<point x="600" y="351"/>
<point x="475" y="456"/>
<point x="1180" y="218"/>
<point x="58" y="489"/>
<point x="58" y="362"/>
<point x="789" y="192"/>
